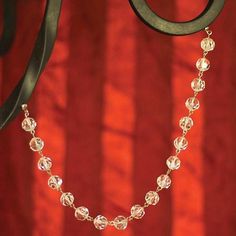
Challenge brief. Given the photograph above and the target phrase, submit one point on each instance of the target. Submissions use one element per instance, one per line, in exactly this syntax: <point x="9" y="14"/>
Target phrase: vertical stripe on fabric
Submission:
<point x="50" y="102"/>
<point x="119" y="113"/>
<point x="85" y="111"/>
<point x="220" y="129"/>
<point x="188" y="191"/>
<point x="153" y="124"/>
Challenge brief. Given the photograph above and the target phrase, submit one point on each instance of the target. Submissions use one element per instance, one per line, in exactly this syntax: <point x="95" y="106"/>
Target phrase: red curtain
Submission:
<point x="107" y="107"/>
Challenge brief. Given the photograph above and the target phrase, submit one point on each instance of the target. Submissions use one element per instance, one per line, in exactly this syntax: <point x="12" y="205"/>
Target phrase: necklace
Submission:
<point x="163" y="181"/>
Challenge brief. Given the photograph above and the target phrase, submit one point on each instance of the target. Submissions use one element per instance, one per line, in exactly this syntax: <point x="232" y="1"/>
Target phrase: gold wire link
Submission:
<point x="90" y="218"/>
<point x="24" y="108"/>
<point x="208" y="31"/>
<point x="158" y="189"/>
<point x="200" y="74"/>
<point x="60" y="190"/>
<point x="145" y="205"/>
<point x="40" y="153"/>
<point x="26" y="113"/>
<point x="73" y="206"/>
<point x="130" y="218"/>
<point x="177" y="151"/>
<point x="184" y="133"/>
<point x="190" y="113"/>
<point x="111" y="222"/>
<point x="168" y="171"/>
<point x="49" y="172"/>
<point x="205" y="53"/>
<point x="33" y="133"/>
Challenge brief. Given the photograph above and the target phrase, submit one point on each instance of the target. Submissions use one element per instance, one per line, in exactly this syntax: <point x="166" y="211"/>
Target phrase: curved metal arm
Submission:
<point x="9" y="25"/>
<point x="39" y="57"/>
<point x="157" y="23"/>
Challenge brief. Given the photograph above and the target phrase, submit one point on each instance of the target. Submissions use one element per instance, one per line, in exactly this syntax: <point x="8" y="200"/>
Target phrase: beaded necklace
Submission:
<point x="137" y="211"/>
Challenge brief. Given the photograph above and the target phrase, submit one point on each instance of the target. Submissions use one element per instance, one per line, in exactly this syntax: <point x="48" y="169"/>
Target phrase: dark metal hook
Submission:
<point x="157" y="23"/>
<point x="9" y="25"/>
<point x="39" y="57"/>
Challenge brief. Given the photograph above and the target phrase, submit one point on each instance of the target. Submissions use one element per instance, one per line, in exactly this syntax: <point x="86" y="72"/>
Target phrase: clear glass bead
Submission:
<point x="164" y="181"/>
<point x="100" y="222"/>
<point x="203" y="64"/>
<point x="192" y="104"/>
<point x="173" y="162"/>
<point x="137" y="211"/>
<point x="186" y="123"/>
<point x="81" y="213"/>
<point x="180" y="143"/>
<point x="54" y="182"/>
<point x="44" y="163"/>
<point x="28" y="124"/>
<point x="208" y="44"/>
<point x="36" y="144"/>
<point x="120" y="222"/>
<point x="152" y="198"/>
<point x="67" y="199"/>
<point x="198" y="85"/>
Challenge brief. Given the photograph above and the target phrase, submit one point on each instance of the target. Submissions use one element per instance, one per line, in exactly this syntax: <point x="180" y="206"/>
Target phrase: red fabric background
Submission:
<point x="108" y="106"/>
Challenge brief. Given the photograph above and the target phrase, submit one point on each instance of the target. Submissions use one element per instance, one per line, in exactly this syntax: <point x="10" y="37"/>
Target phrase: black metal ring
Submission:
<point x="157" y="23"/>
<point x="39" y="57"/>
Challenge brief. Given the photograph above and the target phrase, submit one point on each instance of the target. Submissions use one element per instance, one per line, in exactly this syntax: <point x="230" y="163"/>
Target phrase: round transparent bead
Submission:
<point x="208" y="44"/>
<point x="181" y="143"/>
<point x="137" y="211"/>
<point x="81" y="213"/>
<point x="44" y="163"/>
<point x="203" y="64"/>
<point x="186" y="123"/>
<point x="28" y="124"/>
<point x="173" y="162"/>
<point x="152" y="198"/>
<point x="67" y="199"/>
<point x="100" y="222"/>
<point x="192" y="104"/>
<point x="36" y="144"/>
<point x="198" y="85"/>
<point x="120" y="222"/>
<point x="54" y="182"/>
<point x="164" y="181"/>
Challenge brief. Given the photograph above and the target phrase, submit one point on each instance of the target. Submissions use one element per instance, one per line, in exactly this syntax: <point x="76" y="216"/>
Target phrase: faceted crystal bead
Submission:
<point x="100" y="222"/>
<point x="180" y="143"/>
<point x="208" y="44"/>
<point x="81" y="213"/>
<point x="44" y="163"/>
<point x="173" y="162"/>
<point x="192" y="104"/>
<point x="55" y="182"/>
<point x="198" y="85"/>
<point x="36" y="144"/>
<point x="28" y="124"/>
<point x="203" y="64"/>
<point x="137" y="211"/>
<point x="120" y="222"/>
<point x="67" y="199"/>
<point x="164" y="181"/>
<point x="186" y="123"/>
<point x="152" y="198"/>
